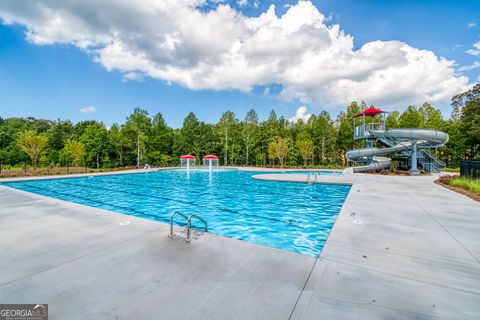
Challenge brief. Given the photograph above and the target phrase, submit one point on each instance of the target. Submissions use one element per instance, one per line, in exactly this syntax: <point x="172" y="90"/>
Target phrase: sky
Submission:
<point x="89" y="59"/>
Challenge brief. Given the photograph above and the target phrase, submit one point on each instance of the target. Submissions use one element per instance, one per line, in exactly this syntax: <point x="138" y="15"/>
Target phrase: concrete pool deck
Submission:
<point x="343" y="179"/>
<point x="402" y="248"/>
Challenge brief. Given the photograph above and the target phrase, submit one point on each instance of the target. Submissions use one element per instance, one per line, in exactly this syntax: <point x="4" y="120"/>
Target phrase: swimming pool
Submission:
<point x="291" y="216"/>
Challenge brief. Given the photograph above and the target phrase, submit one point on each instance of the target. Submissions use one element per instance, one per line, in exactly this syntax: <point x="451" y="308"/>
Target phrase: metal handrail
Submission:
<point x="314" y="175"/>
<point x="171" y="221"/>
<point x="189" y="225"/>
<point x="363" y="130"/>
<point x="434" y="158"/>
<point x="308" y="178"/>
<point x="374" y="126"/>
<point x="434" y="165"/>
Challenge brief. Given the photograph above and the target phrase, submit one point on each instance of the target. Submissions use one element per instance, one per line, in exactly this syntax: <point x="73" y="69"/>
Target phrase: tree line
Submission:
<point x="320" y="141"/>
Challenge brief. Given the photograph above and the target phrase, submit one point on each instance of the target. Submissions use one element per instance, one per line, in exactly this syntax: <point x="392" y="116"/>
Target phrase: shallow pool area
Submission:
<point x="290" y="216"/>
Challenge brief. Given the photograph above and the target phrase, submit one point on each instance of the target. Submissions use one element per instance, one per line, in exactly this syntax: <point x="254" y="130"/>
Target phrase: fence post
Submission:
<point x="25" y="167"/>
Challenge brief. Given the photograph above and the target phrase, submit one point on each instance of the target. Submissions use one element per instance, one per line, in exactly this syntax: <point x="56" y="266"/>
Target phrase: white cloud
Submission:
<point x="88" y="110"/>
<point x="471" y="25"/>
<point x="329" y="17"/>
<point x="135" y="76"/>
<point x="476" y="49"/>
<point x="474" y="65"/>
<point x="222" y="49"/>
<point x="300" y="115"/>
<point x="242" y="3"/>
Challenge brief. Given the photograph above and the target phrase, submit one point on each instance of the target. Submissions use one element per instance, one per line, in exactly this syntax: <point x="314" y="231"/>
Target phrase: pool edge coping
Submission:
<point x="135" y="171"/>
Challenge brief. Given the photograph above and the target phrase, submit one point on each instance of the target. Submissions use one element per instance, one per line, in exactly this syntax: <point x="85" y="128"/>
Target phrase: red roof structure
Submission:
<point x="370" y="112"/>
<point x="210" y="157"/>
<point x="187" y="156"/>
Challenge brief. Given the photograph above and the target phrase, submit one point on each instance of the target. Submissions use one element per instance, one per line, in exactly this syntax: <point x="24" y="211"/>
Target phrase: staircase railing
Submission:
<point x="429" y="162"/>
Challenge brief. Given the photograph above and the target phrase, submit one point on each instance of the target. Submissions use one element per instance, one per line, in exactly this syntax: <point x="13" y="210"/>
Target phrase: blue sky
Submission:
<point x="58" y="79"/>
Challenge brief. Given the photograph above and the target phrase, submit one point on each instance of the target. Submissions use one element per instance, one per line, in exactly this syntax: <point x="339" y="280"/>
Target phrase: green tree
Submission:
<point x="95" y="140"/>
<point x="393" y="120"/>
<point x="206" y="141"/>
<point x="32" y="143"/>
<point x="195" y="137"/>
<point x="269" y="132"/>
<point x="279" y="149"/>
<point x="57" y="134"/>
<point x="411" y="118"/>
<point x="81" y="126"/>
<point x="324" y="133"/>
<point x="136" y="129"/>
<point x="9" y="150"/>
<point x="75" y="149"/>
<point x="250" y="133"/>
<point x="225" y="129"/>
<point x="305" y="146"/>
<point x="431" y="117"/>
<point x="466" y="107"/>
<point x="160" y="141"/>
<point x="118" y="143"/>
<point x="345" y="140"/>
<point x="186" y="136"/>
<point x="272" y="151"/>
<point x="271" y="127"/>
<point x="455" y="148"/>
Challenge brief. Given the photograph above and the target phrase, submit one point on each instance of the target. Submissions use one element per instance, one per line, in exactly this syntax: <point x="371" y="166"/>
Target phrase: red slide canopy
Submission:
<point x="370" y="112"/>
<point x="187" y="156"/>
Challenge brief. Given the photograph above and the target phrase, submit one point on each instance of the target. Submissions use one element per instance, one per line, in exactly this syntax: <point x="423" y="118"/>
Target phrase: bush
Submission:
<point x="394" y="165"/>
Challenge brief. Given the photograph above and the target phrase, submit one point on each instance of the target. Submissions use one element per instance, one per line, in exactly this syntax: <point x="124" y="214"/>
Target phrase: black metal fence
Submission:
<point x="26" y="169"/>
<point x="470" y="169"/>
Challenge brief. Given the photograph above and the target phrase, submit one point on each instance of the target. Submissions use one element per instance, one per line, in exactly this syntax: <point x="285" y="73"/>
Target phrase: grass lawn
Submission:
<point x="464" y="185"/>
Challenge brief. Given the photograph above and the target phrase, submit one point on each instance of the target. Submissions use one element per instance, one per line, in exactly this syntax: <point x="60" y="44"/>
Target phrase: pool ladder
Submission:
<point x="314" y="179"/>
<point x="189" y="224"/>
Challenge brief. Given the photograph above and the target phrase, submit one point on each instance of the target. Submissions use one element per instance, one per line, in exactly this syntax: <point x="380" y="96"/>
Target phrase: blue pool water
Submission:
<point x="290" y="216"/>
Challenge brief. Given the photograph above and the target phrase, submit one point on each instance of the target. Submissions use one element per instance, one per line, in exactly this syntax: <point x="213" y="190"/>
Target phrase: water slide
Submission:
<point x="398" y="140"/>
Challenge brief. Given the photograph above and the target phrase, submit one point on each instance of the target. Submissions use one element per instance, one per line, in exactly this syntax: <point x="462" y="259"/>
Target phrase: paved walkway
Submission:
<point x="402" y="248"/>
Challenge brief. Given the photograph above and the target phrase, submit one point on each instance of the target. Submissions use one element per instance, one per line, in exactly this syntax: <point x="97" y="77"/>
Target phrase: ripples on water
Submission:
<point x="290" y="216"/>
